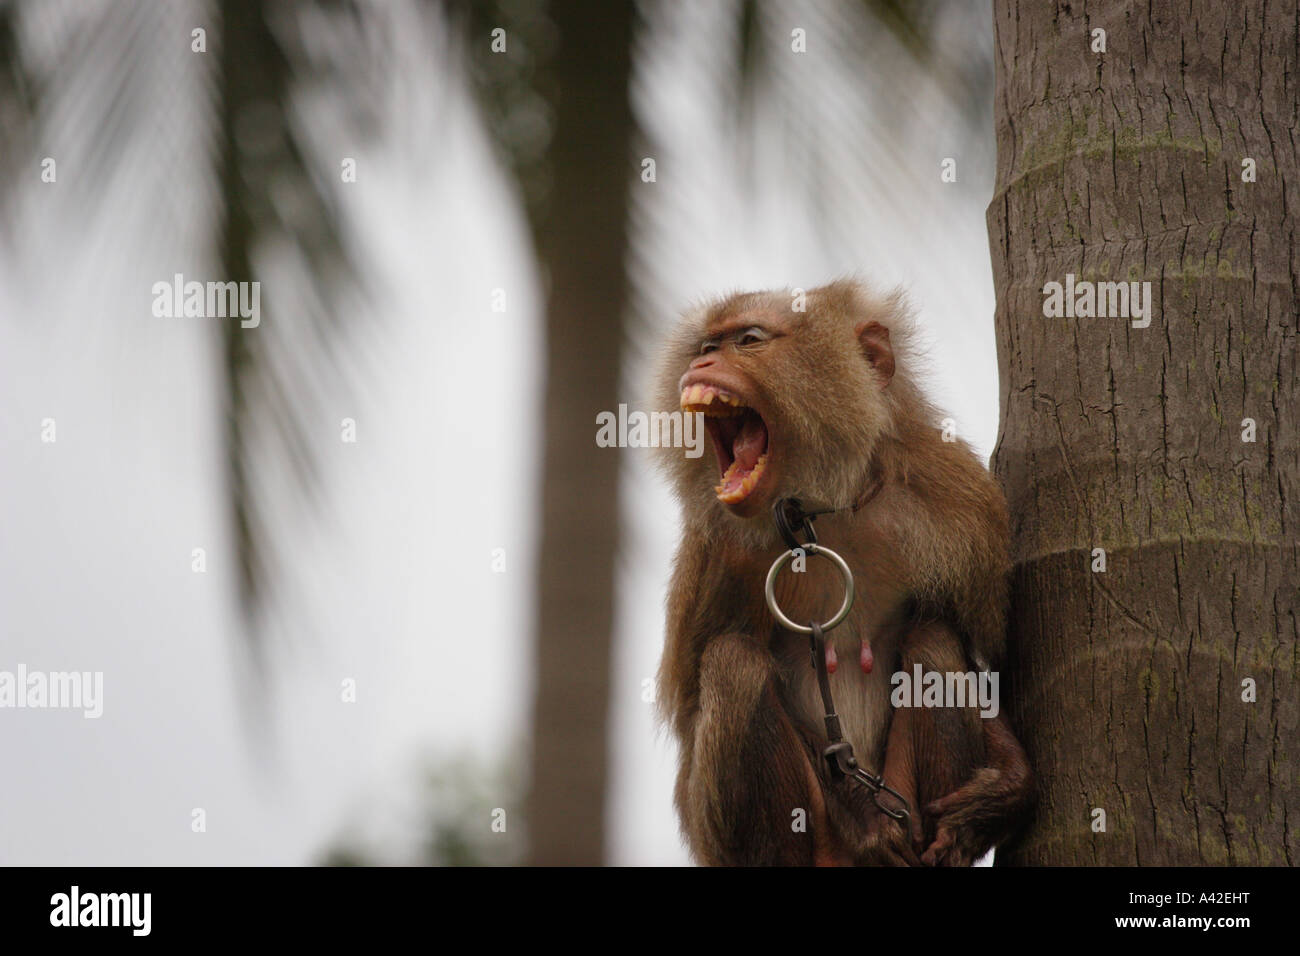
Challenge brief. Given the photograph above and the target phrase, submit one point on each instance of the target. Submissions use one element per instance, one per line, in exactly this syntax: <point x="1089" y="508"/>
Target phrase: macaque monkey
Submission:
<point x="820" y="405"/>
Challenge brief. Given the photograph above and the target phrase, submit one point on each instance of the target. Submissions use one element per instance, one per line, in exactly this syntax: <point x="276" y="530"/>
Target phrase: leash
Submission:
<point x="792" y="520"/>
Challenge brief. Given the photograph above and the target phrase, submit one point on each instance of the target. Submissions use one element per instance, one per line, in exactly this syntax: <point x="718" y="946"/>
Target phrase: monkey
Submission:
<point x="822" y="405"/>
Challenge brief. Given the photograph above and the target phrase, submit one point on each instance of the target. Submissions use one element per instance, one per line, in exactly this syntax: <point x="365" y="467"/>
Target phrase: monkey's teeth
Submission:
<point x="741" y="491"/>
<point x="700" y="398"/>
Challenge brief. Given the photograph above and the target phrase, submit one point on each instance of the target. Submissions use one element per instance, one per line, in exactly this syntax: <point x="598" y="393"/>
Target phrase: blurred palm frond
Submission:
<point x="270" y="189"/>
<point x="108" y="78"/>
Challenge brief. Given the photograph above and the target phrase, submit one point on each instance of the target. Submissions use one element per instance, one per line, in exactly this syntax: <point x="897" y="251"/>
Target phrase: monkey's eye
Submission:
<point x="710" y="346"/>
<point x="752" y="336"/>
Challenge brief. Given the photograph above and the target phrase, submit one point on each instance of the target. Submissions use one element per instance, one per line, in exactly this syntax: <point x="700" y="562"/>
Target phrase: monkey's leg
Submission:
<point x="878" y="839"/>
<point x="973" y="781"/>
<point x="939" y="747"/>
<point x="748" y="770"/>
<point x="947" y="742"/>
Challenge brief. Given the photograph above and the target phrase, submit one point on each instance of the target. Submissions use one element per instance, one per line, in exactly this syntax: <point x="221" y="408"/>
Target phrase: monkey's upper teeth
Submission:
<point x="700" y="398"/>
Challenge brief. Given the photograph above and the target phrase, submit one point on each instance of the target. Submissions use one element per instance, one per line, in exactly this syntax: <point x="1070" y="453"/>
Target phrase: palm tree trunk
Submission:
<point x="582" y="241"/>
<point x="1128" y="165"/>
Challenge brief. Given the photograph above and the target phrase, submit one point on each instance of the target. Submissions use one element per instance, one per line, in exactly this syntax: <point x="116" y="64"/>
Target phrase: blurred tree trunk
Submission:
<point x="582" y="240"/>
<point x="1127" y="165"/>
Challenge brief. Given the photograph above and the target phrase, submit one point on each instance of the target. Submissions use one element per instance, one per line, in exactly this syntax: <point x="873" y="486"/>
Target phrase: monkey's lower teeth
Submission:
<point x="729" y="495"/>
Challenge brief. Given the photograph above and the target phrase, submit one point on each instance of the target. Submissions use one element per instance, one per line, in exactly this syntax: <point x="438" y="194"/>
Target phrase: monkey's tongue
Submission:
<point x="747" y="463"/>
<point x="749" y="442"/>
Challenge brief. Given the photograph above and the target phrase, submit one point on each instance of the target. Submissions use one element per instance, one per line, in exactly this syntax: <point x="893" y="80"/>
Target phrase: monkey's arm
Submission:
<point x="745" y="770"/>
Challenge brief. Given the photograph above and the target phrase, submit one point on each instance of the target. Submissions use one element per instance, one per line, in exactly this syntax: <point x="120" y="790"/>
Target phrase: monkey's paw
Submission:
<point x="959" y="840"/>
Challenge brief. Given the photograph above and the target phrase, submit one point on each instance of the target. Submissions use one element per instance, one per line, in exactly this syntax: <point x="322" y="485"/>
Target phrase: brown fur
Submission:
<point x="929" y="557"/>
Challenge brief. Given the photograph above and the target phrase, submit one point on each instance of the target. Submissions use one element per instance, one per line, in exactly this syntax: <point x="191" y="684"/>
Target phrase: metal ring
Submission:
<point x="770" y="588"/>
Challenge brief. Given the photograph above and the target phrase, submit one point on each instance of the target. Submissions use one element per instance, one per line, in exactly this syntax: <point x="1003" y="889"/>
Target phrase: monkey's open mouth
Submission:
<point x="739" y="439"/>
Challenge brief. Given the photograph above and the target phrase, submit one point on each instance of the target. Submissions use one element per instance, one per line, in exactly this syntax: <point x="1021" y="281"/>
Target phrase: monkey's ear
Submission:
<point x="874" y="339"/>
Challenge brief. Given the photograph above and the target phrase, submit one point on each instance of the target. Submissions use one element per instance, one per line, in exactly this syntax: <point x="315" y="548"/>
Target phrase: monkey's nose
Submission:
<point x="703" y="361"/>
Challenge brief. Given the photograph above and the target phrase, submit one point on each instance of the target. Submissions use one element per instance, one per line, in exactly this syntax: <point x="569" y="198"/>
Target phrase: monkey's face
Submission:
<point x="791" y="402"/>
<point x="718" y="387"/>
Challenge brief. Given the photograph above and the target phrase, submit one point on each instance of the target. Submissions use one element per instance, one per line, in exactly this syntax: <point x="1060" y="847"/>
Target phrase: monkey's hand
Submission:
<point x="961" y="834"/>
<point x="986" y="809"/>
<point x="890" y="842"/>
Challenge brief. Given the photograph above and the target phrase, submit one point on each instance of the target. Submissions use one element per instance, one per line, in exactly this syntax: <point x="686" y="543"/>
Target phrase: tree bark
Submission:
<point x="1127" y="165"/>
<point x="582" y="241"/>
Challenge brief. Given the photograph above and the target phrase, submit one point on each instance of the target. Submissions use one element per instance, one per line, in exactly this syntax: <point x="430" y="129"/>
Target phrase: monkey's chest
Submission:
<point x="861" y="698"/>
